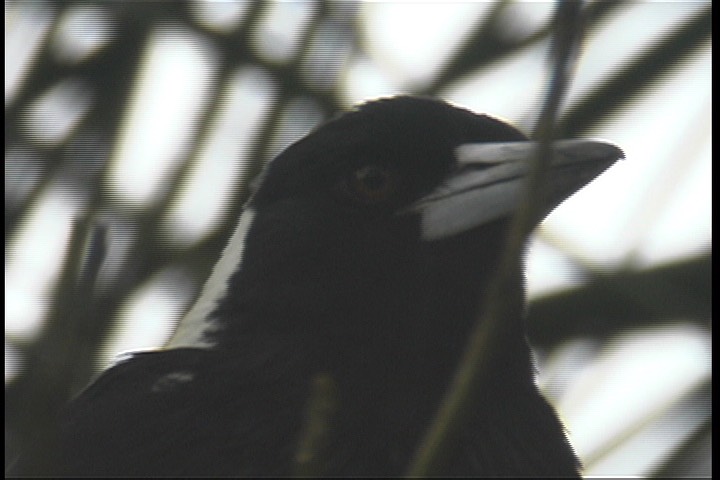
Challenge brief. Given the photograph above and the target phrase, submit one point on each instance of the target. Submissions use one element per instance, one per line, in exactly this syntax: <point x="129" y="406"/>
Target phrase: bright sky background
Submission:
<point x="651" y="208"/>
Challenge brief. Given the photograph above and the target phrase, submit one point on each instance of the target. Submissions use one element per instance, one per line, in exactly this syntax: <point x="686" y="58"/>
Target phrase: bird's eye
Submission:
<point x="372" y="184"/>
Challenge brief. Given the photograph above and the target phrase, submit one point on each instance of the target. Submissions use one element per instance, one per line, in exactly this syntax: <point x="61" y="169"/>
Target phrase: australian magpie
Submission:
<point x="359" y="259"/>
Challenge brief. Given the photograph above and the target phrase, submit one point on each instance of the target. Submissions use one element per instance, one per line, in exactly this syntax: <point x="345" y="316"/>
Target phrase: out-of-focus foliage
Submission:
<point x="73" y="75"/>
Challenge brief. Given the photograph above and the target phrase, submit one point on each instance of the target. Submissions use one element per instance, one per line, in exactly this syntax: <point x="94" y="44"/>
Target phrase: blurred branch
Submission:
<point x="696" y="400"/>
<point x="616" y="301"/>
<point x="490" y="42"/>
<point x="61" y="359"/>
<point x="693" y="457"/>
<point x="109" y="76"/>
<point x="316" y="434"/>
<point x="639" y="75"/>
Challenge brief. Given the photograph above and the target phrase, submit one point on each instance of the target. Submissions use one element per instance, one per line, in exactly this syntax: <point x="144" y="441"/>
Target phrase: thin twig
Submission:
<point x="434" y="449"/>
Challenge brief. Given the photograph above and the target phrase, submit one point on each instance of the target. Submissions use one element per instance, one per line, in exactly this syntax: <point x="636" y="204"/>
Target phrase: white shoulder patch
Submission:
<point x="193" y="326"/>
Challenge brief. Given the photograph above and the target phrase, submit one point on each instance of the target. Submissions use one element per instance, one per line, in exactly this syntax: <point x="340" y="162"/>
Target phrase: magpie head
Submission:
<point x="384" y="221"/>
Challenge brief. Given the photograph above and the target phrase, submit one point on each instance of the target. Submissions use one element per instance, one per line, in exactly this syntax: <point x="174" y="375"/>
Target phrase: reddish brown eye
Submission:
<point x="372" y="184"/>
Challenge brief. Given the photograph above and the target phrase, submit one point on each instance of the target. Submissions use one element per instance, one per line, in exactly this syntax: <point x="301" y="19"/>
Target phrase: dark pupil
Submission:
<point x="372" y="178"/>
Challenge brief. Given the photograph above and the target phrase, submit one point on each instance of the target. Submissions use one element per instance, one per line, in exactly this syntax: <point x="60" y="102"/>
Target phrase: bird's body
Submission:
<point x="340" y="269"/>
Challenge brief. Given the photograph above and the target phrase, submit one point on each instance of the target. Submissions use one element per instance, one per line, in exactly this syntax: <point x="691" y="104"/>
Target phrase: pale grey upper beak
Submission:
<point x="488" y="180"/>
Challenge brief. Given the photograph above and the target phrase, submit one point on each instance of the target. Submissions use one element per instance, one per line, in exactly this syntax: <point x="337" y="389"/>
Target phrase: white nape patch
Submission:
<point x="171" y="380"/>
<point x="198" y="321"/>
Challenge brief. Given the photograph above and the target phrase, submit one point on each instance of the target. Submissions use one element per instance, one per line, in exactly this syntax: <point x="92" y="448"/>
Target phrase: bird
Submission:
<point x="359" y="260"/>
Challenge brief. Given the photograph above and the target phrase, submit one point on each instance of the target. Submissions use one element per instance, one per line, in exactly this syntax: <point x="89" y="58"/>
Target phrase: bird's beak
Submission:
<point x="488" y="180"/>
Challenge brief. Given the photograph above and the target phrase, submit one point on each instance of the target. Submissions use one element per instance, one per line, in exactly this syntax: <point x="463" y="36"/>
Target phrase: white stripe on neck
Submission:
<point x="193" y="326"/>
